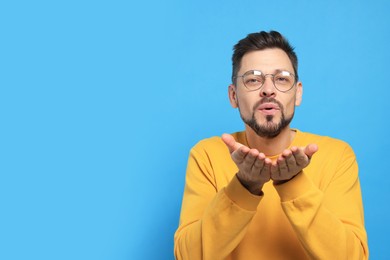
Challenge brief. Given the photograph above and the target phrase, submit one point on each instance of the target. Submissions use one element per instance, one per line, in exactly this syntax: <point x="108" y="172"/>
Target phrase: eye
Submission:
<point x="253" y="80"/>
<point x="283" y="79"/>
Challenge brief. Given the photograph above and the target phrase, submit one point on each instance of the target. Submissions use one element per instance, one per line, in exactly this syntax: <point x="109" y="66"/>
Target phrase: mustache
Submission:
<point x="267" y="100"/>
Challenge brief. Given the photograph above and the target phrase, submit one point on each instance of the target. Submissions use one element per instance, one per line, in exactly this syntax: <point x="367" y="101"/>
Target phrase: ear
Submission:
<point x="298" y="94"/>
<point x="232" y="95"/>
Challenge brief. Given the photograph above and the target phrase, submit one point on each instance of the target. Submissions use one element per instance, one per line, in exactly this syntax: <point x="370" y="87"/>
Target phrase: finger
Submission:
<point x="301" y="158"/>
<point x="259" y="163"/>
<point x="266" y="171"/>
<point x="283" y="168"/>
<point x="268" y="168"/>
<point x="250" y="159"/>
<point x="268" y="161"/>
<point x="231" y="142"/>
<point x="290" y="159"/>
<point x="275" y="175"/>
<point x="310" y="150"/>
<point x="239" y="155"/>
<point x="274" y="169"/>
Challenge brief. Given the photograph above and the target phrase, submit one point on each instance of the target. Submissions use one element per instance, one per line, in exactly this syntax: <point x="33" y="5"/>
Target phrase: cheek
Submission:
<point x="245" y="104"/>
<point x="290" y="106"/>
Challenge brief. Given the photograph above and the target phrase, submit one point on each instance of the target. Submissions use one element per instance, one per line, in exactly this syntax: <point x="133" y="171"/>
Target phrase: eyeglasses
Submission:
<point x="254" y="80"/>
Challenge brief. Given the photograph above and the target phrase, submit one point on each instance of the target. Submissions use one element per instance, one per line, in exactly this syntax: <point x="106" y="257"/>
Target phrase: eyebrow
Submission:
<point x="274" y="72"/>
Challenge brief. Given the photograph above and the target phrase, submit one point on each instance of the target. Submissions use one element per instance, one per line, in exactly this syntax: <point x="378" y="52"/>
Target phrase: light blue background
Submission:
<point x="100" y="102"/>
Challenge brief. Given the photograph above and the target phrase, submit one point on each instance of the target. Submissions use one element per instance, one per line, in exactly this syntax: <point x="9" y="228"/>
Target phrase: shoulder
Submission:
<point x="329" y="146"/>
<point x="306" y="138"/>
<point x="335" y="158"/>
<point x="209" y="145"/>
<point x="215" y="145"/>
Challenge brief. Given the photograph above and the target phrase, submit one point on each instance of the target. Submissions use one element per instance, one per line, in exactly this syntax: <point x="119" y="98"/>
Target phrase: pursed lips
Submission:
<point x="269" y="108"/>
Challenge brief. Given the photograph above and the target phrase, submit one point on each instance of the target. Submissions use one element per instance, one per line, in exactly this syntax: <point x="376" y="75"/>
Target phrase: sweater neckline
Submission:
<point x="243" y="139"/>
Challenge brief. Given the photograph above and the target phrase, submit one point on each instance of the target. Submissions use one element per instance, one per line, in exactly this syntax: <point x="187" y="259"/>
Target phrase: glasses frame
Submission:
<point x="273" y="79"/>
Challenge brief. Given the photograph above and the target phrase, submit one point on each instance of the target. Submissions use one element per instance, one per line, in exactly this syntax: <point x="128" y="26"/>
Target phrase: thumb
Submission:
<point x="310" y="150"/>
<point x="230" y="142"/>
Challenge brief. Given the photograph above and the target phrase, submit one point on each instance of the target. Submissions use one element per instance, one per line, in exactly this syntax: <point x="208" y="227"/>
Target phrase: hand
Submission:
<point x="291" y="162"/>
<point x="254" y="167"/>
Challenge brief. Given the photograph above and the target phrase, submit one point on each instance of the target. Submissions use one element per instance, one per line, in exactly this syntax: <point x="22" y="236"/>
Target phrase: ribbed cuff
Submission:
<point x="294" y="188"/>
<point x="241" y="196"/>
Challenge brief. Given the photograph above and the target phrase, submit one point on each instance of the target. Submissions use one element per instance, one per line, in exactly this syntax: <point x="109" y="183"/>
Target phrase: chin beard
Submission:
<point x="268" y="129"/>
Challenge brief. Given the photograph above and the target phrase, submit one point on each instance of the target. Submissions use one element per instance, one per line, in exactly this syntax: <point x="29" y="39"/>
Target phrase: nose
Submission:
<point x="268" y="88"/>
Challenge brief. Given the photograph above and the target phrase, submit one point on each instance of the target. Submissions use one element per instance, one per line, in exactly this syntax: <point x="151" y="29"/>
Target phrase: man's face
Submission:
<point x="266" y="111"/>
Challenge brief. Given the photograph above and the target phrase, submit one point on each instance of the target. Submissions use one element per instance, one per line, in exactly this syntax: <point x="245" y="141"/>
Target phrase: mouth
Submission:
<point x="269" y="108"/>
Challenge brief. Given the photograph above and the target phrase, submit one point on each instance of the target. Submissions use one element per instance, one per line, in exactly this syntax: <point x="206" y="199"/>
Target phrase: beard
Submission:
<point x="269" y="129"/>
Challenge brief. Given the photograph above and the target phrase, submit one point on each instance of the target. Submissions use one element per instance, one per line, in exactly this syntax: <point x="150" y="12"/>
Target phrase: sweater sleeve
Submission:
<point x="213" y="221"/>
<point x="329" y="223"/>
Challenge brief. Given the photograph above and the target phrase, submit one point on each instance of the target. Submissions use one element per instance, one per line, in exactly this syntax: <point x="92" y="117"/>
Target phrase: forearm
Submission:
<point x="324" y="234"/>
<point x="220" y="228"/>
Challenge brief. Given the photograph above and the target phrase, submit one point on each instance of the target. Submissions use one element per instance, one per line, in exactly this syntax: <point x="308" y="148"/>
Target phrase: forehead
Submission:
<point x="268" y="61"/>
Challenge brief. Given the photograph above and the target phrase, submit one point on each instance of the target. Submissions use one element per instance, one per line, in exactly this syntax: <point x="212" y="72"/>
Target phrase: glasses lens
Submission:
<point x="253" y="79"/>
<point x="284" y="80"/>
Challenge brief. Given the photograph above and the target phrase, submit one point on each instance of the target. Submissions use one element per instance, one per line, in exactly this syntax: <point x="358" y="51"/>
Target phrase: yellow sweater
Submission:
<point x="316" y="215"/>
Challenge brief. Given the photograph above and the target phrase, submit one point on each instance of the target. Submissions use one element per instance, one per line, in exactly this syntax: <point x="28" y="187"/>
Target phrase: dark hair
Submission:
<point x="261" y="41"/>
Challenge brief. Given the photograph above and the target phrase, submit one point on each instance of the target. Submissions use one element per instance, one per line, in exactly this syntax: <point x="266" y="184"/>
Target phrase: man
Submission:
<point x="270" y="192"/>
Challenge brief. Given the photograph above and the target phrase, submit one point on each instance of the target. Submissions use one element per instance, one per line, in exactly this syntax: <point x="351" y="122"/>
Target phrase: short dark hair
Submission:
<point x="261" y="41"/>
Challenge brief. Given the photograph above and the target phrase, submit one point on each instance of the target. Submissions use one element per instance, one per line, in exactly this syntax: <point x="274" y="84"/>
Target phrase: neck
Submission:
<point x="270" y="146"/>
